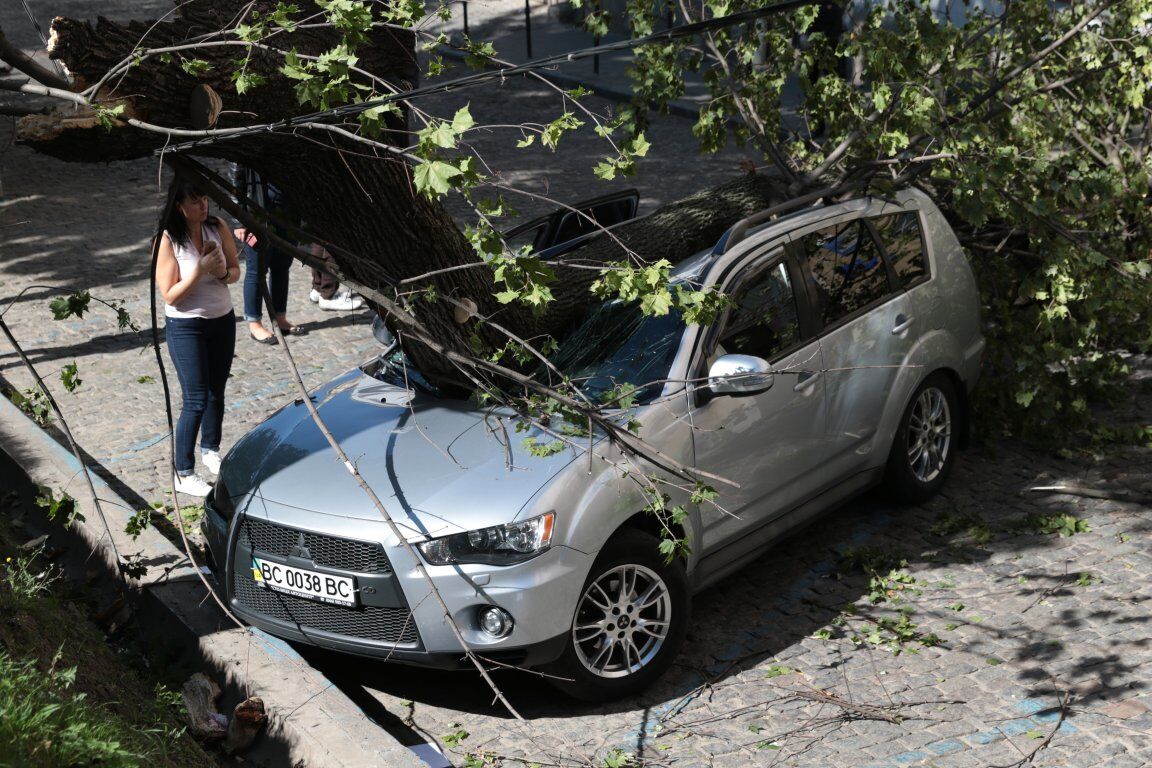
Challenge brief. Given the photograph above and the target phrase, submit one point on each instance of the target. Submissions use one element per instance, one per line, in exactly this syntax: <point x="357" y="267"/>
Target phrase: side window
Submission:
<point x="528" y="236"/>
<point x="846" y="265"/>
<point x="764" y="321"/>
<point x="902" y="240"/>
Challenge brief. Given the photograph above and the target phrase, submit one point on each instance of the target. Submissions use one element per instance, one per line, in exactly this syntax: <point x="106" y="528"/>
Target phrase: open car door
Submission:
<point x="575" y="223"/>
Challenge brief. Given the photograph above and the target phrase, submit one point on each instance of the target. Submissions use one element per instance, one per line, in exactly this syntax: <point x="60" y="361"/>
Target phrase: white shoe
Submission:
<point x="211" y="461"/>
<point x="342" y="301"/>
<point x="314" y="295"/>
<point x="193" y="485"/>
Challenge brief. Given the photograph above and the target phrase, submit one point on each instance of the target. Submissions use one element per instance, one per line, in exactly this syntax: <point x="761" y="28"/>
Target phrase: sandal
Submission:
<point x="265" y="340"/>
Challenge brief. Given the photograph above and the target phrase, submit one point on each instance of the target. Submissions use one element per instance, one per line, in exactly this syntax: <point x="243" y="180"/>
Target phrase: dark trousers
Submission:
<point x="322" y="282"/>
<point x="201" y="352"/>
<point x="276" y="270"/>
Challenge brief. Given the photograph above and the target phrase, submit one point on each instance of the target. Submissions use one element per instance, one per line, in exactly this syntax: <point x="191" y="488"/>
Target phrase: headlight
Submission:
<point x="499" y="545"/>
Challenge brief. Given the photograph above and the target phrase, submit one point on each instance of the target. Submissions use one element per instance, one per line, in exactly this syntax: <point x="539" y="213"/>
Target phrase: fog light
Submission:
<point x="495" y="621"/>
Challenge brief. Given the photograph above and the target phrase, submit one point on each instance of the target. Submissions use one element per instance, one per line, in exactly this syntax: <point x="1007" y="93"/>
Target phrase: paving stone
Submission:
<point x="57" y="228"/>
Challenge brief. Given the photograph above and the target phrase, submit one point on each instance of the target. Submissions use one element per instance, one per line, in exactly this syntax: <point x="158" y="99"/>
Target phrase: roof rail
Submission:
<point x="740" y="228"/>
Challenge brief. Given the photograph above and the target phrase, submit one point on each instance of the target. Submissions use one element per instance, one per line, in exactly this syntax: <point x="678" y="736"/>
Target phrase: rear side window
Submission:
<point x="592" y="218"/>
<point x="847" y="268"/>
<point x="764" y="322"/>
<point x="902" y="240"/>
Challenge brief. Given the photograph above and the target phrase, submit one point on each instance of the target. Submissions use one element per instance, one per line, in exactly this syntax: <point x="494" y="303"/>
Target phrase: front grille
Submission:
<point x="386" y="625"/>
<point x="329" y="551"/>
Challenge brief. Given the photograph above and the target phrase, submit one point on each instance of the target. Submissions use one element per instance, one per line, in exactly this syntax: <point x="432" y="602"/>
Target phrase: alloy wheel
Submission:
<point x="622" y="621"/>
<point x="929" y="435"/>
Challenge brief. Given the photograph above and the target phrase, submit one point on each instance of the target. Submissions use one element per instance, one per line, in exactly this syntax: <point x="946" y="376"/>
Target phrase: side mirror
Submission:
<point x="739" y="375"/>
<point x="383" y="336"/>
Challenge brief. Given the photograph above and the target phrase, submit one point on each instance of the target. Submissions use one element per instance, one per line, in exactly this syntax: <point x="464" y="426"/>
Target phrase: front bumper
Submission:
<point x="396" y="617"/>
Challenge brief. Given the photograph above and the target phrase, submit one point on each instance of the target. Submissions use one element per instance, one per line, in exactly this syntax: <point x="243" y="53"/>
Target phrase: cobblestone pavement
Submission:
<point x="992" y="637"/>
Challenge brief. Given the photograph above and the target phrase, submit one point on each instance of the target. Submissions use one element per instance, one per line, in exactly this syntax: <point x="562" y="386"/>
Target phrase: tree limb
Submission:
<point x="26" y="64"/>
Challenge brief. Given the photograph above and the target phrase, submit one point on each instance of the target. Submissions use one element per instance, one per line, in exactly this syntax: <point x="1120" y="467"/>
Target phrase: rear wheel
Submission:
<point x="629" y="623"/>
<point x="925" y="445"/>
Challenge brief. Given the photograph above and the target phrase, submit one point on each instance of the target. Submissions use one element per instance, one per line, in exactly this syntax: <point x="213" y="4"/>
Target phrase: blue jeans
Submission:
<point x="201" y="352"/>
<point x="277" y="271"/>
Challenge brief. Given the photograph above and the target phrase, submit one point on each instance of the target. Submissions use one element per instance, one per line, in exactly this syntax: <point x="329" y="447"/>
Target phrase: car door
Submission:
<point x="768" y="443"/>
<point x="867" y="330"/>
<point x="570" y="224"/>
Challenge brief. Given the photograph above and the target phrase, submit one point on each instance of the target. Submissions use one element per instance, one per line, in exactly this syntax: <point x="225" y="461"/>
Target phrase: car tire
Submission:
<point x="924" y="448"/>
<point x="629" y="621"/>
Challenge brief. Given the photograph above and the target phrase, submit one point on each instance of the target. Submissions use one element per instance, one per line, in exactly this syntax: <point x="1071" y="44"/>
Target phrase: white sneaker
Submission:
<point x="314" y="295"/>
<point x="211" y="461"/>
<point x="193" y="485"/>
<point x="342" y="301"/>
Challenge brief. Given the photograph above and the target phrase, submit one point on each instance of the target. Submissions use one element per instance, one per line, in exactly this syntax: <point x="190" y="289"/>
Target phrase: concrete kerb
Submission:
<point x="310" y="721"/>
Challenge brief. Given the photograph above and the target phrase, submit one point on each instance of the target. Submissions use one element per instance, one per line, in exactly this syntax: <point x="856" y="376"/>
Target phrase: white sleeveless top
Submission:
<point x="209" y="298"/>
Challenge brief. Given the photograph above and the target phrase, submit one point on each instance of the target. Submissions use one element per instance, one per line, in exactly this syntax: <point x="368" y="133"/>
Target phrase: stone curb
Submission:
<point x="311" y="722"/>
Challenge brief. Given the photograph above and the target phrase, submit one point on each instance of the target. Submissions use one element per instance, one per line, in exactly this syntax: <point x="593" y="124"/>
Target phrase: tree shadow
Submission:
<point x="801" y="586"/>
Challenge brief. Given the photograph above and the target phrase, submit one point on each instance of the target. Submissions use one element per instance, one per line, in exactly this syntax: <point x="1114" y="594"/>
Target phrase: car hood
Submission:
<point x="439" y="466"/>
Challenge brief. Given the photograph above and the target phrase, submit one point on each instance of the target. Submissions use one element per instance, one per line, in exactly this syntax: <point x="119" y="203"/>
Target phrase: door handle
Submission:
<point x="903" y="323"/>
<point x="806" y="380"/>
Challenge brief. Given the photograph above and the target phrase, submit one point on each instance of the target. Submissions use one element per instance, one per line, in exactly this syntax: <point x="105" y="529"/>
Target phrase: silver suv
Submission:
<point x="845" y="361"/>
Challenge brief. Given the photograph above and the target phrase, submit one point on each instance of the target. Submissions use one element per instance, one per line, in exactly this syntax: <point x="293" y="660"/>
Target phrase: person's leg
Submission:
<point x="325" y="284"/>
<point x="327" y="290"/>
<point x="252" y="302"/>
<point x="187" y="349"/>
<point x="253" y="296"/>
<point x="279" y="265"/>
<point x="220" y="347"/>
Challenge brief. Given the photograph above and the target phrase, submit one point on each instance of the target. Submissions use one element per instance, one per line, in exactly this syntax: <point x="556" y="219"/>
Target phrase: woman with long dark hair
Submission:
<point x="196" y="262"/>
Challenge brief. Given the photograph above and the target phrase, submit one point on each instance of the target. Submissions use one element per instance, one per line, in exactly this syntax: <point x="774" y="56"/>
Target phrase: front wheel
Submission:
<point x="925" y="445"/>
<point x="629" y="622"/>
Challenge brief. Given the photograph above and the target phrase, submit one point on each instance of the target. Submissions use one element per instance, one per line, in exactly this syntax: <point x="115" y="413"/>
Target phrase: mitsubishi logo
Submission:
<point x="300" y="549"/>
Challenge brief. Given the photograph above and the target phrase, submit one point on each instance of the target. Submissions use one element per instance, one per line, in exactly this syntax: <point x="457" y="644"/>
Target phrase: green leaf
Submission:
<point x="70" y="377"/>
<point x="195" y="67"/>
<point x="605" y="170"/>
<point x="657" y="303"/>
<point x="67" y="306"/>
<point x="294" y="67"/>
<point x="462" y="121"/>
<point x="433" y="178"/>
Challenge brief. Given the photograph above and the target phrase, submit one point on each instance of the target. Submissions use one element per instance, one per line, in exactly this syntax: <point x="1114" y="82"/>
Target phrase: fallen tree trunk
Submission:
<point x="360" y="199"/>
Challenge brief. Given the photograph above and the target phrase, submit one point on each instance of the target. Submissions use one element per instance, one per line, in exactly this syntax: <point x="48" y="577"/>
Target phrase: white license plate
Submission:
<point x="340" y="590"/>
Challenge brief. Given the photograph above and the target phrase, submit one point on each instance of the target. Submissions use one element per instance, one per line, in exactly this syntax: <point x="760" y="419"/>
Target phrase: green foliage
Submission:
<point x="1040" y="164"/>
<point x="107" y="116"/>
<point x="525" y="279"/>
<point x="70" y="377"/>
<point x="1087" y="579"/>
<point x="455" y="737"/>
<point x="618" y="758"/>
<point x="23" y="582"/>
<point x="436" y="173"/>
<point x="34" y="403"/>
<point x="542" y="449"/>
<point x="1061" y="524"/>
<point x="42" y="720"/>
<point x="971" y="526"/>
<point x="195" y="67"/>
<point x="74" y="305"/>
<point x="137" y="522"/>
<point x="63" y="507"/>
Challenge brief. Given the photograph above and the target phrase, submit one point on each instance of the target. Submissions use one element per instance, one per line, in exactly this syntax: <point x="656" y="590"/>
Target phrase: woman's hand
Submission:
<point x="212" y="261"/>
